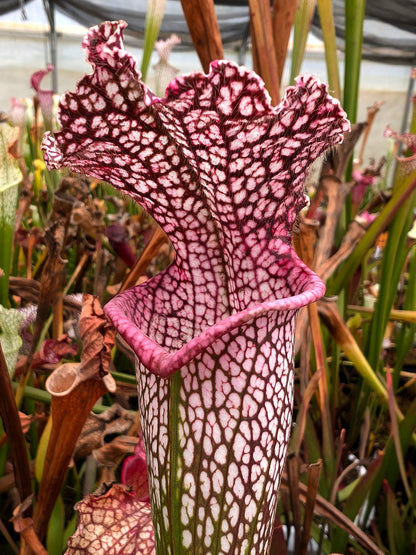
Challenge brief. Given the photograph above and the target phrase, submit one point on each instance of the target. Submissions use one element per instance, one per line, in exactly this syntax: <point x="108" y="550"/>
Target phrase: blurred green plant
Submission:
<point x="10" y="177"/>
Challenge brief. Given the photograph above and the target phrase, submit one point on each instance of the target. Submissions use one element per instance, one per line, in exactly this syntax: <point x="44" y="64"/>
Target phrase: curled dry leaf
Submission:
<point x="97" y="335"/>
<point x="110" y="454"/>
<point x="114" y="523"/>
<point x="100" y="428"/>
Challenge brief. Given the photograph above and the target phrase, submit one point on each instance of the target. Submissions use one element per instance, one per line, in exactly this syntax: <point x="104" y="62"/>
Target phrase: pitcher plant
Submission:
<point x="222" y="172"/>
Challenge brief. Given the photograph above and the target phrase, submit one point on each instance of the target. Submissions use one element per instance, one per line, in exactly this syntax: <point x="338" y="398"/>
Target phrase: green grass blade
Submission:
<point x="407" y="331"/>
<point x="394" y="256"/>
<point x="354" y="21"/>
<point x="301" y="27"/>
<point x="154" y="16"/>
<point x="396" y="436"/>
<point x="56" y="528"/>
<point x="328" y="34"/>
<point x="389" y="469"/>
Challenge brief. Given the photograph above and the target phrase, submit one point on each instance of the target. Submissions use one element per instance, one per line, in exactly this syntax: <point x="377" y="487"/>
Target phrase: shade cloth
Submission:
<point x="389" y="28"/>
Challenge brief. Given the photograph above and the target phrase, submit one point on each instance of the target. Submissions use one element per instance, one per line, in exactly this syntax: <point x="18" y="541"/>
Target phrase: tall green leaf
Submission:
<point x="354" y="22"/>
<point x="154" y="17"/>
<point x="301" y="27"/>
<point x="405" y="337"/>
<point x="389" y="469"/>
<point x="394" y="258"/>
<point x="10" y="177"/>
<point x="400" y="196"/>
<point x="328" y="34"/>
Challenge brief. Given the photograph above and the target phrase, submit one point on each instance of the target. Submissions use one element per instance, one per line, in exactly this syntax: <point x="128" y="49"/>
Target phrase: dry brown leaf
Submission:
<point x="100" y="427"/>
<point x="97" y="335"/>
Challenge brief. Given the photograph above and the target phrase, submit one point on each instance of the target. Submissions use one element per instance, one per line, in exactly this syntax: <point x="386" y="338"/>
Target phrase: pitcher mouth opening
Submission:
<point x="126" y="310"/>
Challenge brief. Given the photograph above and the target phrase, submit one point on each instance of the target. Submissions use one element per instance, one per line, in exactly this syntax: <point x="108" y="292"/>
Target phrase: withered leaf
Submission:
<point x="97" y="335"/>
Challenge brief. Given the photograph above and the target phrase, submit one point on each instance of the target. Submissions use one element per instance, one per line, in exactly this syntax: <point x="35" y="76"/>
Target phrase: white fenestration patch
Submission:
<point x="186" y="538"/>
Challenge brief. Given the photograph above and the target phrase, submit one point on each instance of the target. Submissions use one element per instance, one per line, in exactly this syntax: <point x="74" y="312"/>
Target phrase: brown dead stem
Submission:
<point x="8" y="481"/>
<point x="283" y="18"/>
<point x="12" y="426"/>
<point x="24" y="526"/>
<point x="324" y="509"/>
<point x="304" y="240"/>
<point x="292" y="466"/>
<point x="333" y="191"/>
<point x="351" y="239"/>
<point x="314" y="472"/>
<point x="372" y="111"/>
<point x="25" y="199"/>
<point x="264" y="46"/>
<point x="306" y="243"/>
<point x="152" y="248"/>
<point x="28" y="289"/>
<point x="204" y="29"/>
<point x="53" y="275"/>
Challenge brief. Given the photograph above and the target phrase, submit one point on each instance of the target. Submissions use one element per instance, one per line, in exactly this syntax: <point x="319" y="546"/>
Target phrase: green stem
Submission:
<point x="354" y="21"/>
<point x="175" y="520"/>
<point x="328" y="34"/>
<point x="301" y="27"/>
<point x="154" y="16"/>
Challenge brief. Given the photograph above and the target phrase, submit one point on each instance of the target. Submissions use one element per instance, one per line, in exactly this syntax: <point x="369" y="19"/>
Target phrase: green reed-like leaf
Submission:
<point x="401" y="194"/>
<point x="154" y="17"/>
<point x="355" y="501"/>
<point x="395" y="253"/>
<point x="56" y="528"/>
<point x="354" y="21"/>
<point x="398" y="543"/>
<point x="395" y="434"/>
<point x="328" y="34"/>
<point x="344" y="338"/>
<point x="407" y="331"/>
<point x="301" y="27"/>
<point x="389" y="469"/>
